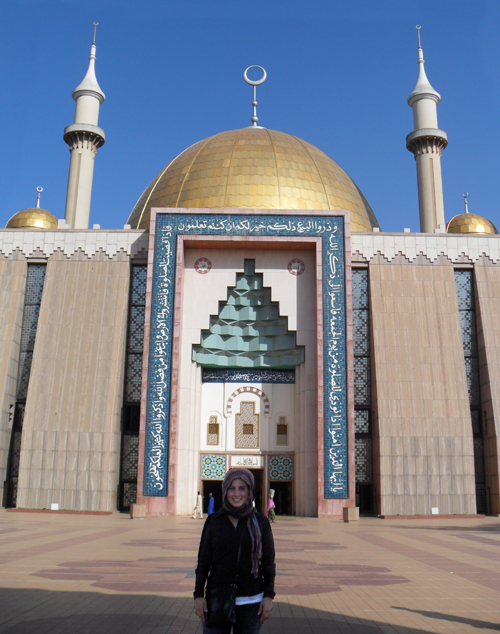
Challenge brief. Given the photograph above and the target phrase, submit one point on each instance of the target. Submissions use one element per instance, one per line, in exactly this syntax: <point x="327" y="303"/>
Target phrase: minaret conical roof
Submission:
<point x="89" y="83"/>
<point x="423" y="88"/>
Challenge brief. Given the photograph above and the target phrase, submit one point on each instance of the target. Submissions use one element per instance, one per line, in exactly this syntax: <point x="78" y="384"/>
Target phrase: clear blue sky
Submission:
<point x="339" y="74"/>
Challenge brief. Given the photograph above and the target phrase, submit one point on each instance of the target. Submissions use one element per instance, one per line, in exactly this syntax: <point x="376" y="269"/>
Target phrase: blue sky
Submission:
<point x="339" y="74"/>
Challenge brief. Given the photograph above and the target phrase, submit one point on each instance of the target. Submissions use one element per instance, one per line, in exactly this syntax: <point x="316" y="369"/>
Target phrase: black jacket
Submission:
<point x="218" y="555"/>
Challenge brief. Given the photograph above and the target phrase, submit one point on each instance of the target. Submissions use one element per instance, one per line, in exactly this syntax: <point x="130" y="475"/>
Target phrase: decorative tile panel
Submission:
<point x="280" y="468"/>
<point x="248" y="376"/>
<point x="247" y="426"/>
<point x="213" y="467"/>
<point x="296" y="267"/>
<point x="330" y="229"/>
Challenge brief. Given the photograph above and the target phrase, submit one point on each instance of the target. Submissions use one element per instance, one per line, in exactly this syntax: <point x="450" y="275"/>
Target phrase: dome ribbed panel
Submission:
<point x="471" y="223"/>
<point x="254" y="168"/>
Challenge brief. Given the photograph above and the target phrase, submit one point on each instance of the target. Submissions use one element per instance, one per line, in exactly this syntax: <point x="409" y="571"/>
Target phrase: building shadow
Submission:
<point x="29" y="611"/>
<point x="453" y="618"/>
<point x="487" y="528"/>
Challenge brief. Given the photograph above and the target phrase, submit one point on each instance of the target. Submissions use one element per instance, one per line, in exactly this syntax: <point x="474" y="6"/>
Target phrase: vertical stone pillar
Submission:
<point x="488" y="309"/>
<point x="12" y="285"/>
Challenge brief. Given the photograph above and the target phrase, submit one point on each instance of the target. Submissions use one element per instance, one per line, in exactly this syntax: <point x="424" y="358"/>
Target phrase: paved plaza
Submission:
<point x="84" y="574"/>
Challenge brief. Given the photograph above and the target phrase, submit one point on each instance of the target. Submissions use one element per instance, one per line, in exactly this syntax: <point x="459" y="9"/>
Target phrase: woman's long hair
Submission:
<point x="247" y="511"/>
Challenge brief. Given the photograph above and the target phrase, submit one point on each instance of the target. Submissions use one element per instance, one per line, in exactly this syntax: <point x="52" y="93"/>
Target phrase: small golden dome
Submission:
<point x="32" y="218"/>
<point x="254" y="168"/>
<point x="471" y="223"/>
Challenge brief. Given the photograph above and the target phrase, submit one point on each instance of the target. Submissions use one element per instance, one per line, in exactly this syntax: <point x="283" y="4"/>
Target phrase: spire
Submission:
<point x="84" y="138"/>
<point x="423" y="88"/>
<point x="255" y="83"/>
<point x="39" y="190"/>
<point x="427" y="142"/>
<point x="466" y="195"/>
<point x="89" y="85"/>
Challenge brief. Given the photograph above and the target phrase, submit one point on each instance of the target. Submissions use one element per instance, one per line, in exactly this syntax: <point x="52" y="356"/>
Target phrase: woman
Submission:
<point x="271" y="513"/>
<point x="236" y="548"/>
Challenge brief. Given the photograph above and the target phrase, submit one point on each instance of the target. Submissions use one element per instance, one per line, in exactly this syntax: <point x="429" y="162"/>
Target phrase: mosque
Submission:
<point x="251" y="312"/>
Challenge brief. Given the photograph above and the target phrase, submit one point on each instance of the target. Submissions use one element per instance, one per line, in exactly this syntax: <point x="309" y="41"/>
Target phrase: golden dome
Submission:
<point x="254" y="168"/>
<point x="470" y="223"/>
<point x="32" y="218"/>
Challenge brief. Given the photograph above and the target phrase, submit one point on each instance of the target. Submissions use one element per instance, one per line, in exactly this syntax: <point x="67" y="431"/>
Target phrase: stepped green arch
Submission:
<point x="249" y="331"/>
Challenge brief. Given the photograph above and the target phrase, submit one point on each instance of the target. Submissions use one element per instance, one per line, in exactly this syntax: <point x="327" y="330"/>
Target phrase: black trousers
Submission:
<point x="247" y="622"/>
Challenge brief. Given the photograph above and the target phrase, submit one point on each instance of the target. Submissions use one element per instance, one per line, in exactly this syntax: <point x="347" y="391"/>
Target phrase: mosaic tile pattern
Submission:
<point x="203" y="266"/>
<point x="331" y="231"/>
<point x="213" y="431"/>
<point x="213" y="467"/>
<point x="296" y="267"/>
<point x="281" y="468"/>
<point x="247" y="426"/>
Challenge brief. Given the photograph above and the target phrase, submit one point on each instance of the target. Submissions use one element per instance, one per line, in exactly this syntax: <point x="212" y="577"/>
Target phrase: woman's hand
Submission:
<point x="200" y="607"/>
<point x="265" y="608"/>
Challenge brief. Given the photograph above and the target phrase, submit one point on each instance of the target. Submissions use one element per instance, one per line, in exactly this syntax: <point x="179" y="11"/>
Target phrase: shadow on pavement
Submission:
<point x="487" y="528"/>
<point x="44" y="612"/>
<point x="454" y="619"/>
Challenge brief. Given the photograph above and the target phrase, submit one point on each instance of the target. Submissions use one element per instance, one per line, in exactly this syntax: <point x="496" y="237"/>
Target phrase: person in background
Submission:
<point x="271" y="513"/>
<point x="198" y="509"/>
<point x="211" y="503"/>
<point x="235" y="562"/>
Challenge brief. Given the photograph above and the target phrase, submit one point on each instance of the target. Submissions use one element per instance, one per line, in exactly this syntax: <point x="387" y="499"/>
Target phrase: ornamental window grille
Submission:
<point x="363" y="445"/>
<point x="282" y="431"/>
<point x="135" y="335"/>
<point x="247" y="426"/>
<point x="127" y="494"/>
<point x="35" y="279"/>
<point x="213" y="431"/>
<point x="32" y="300"/>
<point x="464" y="283"/>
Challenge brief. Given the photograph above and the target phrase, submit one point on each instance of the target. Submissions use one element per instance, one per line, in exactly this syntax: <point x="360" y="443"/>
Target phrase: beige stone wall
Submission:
<point x="488" y="326"/>
<point x="423" y="434"/>
<point x="71" y="434"/>
<point x="12" y="285"/>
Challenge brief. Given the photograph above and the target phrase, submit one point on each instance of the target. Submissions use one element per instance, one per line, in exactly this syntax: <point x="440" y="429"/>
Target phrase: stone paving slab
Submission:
<point x="69" y="574"/>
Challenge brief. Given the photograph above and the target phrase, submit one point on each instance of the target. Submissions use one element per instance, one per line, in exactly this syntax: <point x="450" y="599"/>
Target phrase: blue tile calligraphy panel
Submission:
<point x="168" y="227"/>
<point x="247" y="376"/>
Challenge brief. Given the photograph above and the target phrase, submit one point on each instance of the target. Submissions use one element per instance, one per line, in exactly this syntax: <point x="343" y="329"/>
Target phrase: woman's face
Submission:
<point x="237" y="494"/>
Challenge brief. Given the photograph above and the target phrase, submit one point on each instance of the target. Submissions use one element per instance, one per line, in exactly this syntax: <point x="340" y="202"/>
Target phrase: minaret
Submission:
<point x="84" y="137"/>
<point x="427" y="142"/>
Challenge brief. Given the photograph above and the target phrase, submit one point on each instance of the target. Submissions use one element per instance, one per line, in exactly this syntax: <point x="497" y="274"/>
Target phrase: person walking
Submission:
<point x="198" y="509"/>
<point x="211" y="503"/>
<point x="234" y="586"/>
<point x="270" y="512"/>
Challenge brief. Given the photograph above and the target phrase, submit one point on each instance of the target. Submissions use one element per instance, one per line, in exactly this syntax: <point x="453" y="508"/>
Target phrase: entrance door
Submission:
<point x="215" y="488"/>
<point x="258" y="476"/>
<point x="282" y="497"/>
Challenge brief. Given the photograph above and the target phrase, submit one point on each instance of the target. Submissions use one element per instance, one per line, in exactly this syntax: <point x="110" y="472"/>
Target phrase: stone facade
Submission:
<point x="423" y="445"/>
<point x="12" y="283"/>
<point x="71" y="432"/>
<point x="423" y="439"/>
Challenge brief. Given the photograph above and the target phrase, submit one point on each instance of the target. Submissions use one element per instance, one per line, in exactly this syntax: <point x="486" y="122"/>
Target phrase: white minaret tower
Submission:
<point x="427" y="142"/>
<point x="84" y="137"/>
